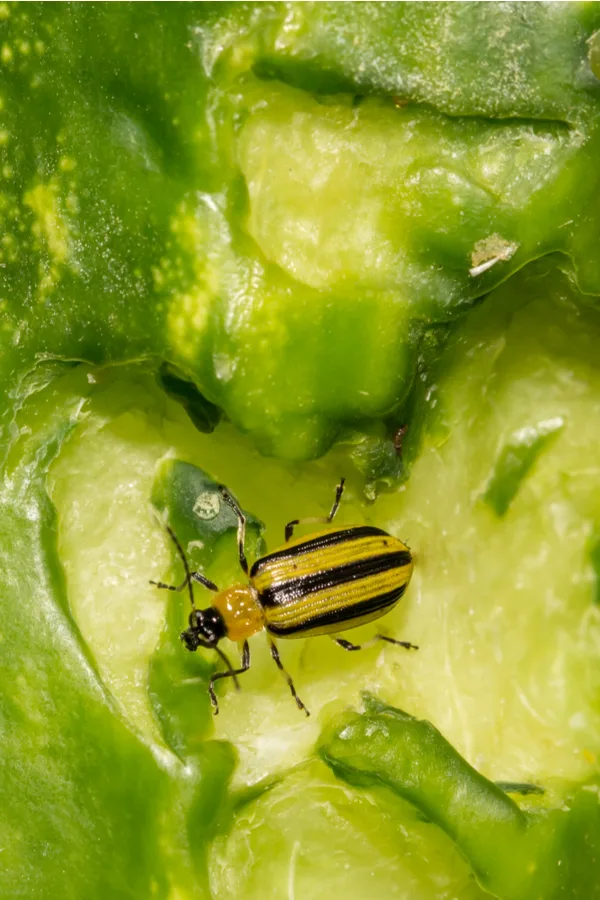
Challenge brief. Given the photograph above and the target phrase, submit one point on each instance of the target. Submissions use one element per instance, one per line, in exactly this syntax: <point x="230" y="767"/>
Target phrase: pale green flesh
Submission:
<point x="315" y="837"/>
<point x="351" y="222"/>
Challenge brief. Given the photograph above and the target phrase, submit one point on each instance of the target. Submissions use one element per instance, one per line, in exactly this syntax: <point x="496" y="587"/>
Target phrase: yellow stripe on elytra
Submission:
<point x="278" y="571"/>
<point x="341" y="597"/>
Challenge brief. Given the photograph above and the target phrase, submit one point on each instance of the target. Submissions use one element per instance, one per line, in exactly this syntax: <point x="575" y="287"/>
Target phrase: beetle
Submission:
<point x="329" y="581"/>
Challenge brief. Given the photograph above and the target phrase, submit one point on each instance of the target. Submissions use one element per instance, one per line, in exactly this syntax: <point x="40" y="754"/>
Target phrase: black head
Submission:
<point x="206" y="629"/>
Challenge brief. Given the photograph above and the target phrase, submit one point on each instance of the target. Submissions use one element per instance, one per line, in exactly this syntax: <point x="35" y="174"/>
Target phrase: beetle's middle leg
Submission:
<point x="347" y="645"/>
<point x="279" y="664"/>
<point x="241" y="532"/>
<point x="326" y="520"/>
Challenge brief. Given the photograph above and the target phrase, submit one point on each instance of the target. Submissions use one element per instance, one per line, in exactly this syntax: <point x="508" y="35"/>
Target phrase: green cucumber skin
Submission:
<point x="136" y="219"/>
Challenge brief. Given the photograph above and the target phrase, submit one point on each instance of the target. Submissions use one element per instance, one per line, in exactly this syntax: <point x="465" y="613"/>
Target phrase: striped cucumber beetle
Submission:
<point x="325" y="583"/>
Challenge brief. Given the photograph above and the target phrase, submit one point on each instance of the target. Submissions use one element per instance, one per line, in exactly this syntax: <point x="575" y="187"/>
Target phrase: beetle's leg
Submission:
<point x="225" y="659"/>
<point x="241" y="533"/>
<point x="406" y="644"/>
<point x="347" y="645"/>
<point x="289" y="528"/>
<point x="230" y="673"/>
<point x="279" y="664"/>
<point x="338" y="496"/>
<point x="193" y="576"/>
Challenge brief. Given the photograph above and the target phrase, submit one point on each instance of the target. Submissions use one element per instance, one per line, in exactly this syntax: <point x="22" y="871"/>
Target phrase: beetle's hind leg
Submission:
<point x="406" y="644"/>
<point x="347" y="645"/>
<point x="326" y="520"/>
<point x="279" y="664"/>
<point x="230" y="673"/>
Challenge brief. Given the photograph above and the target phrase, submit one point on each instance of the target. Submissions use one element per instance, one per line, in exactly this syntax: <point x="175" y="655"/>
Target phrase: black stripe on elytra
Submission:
<point x="342" y="616"/>
<point x="318" y="543"/>
<point x="292" y="589"/>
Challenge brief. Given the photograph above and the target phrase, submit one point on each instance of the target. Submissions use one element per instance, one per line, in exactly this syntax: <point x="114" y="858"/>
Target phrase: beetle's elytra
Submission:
<point x="324" y="583"/>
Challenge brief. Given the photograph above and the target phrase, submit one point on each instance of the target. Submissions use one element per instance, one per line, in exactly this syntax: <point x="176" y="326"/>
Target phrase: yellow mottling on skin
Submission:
<point x="24" y="48"/>
<point x="50" y="225"/>
<point x="7" y="171"/>
<point x="188" y="311"/>
<point x="4" y="137"/>
<point x="67" y="163"/>
<point x="1" y="103"/>
<point x="177" y="893"/>
<point x="187" y="319"/>
<point x="51" y="232"/>
<point x="6" y="53"/>
<point x="47" y="282"/>
<point x="4" y="11"/>
<point x="158" y="276"/>
<point x="40" y="47"/>
<point x="72" y="204"/>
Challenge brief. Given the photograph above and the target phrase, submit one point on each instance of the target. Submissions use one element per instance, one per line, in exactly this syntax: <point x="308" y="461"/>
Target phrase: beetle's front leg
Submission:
<point x="230" y="673"/>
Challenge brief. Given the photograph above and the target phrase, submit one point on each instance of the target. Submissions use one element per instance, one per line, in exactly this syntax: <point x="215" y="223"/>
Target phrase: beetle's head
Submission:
<point x="206" y="628"/>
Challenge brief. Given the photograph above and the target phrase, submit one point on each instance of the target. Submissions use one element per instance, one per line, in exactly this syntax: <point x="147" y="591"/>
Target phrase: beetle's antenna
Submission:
<point x="188" y="574"/>
<point x="229" y="666"/>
